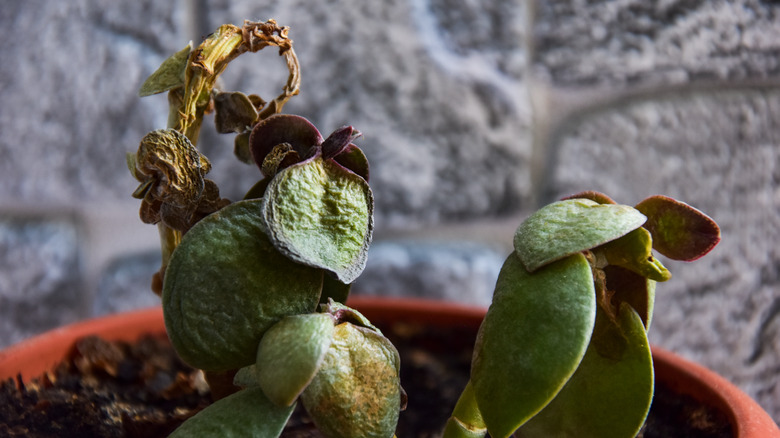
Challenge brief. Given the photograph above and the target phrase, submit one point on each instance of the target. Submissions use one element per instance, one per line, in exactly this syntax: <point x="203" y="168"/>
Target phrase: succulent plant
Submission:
<point x="569" y="319"/>
<point x="253" y="290"/>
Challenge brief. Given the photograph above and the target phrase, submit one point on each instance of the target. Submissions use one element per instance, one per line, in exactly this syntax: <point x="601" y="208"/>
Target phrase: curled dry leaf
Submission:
<point x="171" y="172"/>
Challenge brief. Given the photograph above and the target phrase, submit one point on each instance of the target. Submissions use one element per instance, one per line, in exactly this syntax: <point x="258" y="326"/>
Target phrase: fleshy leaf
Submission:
<point x="283" y="128"/>
<point x="357" y="393"/>
<point x="246" y="377"/>
<point x="320" y="214"/>
<point x="243" y="414"/>
<point x="338" y="141"/>
<point x="593" y="195"/>
<point x="610" y="394"/>
<point x="355" y="160"/>
<point x="679" y="231"/>
<point x="571" y="226"/>
<point x="226" y="285"/>
<point x="532" y="339"/>
<point x="169" y="75"/>
<point x="291" y="353"/>
<point x="629" y="287"/>
<point x="634" y="252"/>
<point x="234" y="112"/>
<point x="466" y="420"/>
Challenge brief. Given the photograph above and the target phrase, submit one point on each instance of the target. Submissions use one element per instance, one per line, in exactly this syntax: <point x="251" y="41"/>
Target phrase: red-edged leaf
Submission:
<point x="593" y="195"/>
<point x="353" y="158"/>
<point x="338" y="141"/>
<point x="679" y="231"/>
<point x="283" y="128"/>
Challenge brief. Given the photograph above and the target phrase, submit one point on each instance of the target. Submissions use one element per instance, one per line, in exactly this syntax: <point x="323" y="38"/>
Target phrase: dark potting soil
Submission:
<point x="115" y="389"/>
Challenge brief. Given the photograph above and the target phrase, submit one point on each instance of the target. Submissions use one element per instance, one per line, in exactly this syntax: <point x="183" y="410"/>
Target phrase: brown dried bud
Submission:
<point x="171" y="172"/>
<point x="281" y="156"/>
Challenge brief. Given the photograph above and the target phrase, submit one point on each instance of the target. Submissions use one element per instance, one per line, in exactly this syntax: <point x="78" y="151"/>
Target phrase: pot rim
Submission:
<point x="39" y="354"/>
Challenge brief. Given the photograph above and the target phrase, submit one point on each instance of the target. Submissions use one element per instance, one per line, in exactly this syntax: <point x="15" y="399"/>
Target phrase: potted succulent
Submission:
<point x="253" y="291"/>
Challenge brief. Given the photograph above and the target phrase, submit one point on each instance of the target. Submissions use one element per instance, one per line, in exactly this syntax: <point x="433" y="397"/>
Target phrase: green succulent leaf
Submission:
<point x="571" y="226"/>
<point x="636" y="290"/>
<point x="610" y="394"/>
<point x="679" y="231"/>
<point x="634" y="251"/>
<point x="532" y="339"/>
<point x="357" y="392"/>
<point x="291" y="353"/>
<point x="320" y="214"/>
<point x="244" y="414"/>
<point x="226" y="285"/>
<point x="169" y="75"/>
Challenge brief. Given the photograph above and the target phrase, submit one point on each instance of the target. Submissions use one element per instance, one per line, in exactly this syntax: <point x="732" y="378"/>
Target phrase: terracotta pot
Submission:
<point x="40" y="354"/>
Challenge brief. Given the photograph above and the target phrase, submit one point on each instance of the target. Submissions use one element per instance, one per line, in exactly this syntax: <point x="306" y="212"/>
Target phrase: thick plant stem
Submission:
<point x="466" y="420"/>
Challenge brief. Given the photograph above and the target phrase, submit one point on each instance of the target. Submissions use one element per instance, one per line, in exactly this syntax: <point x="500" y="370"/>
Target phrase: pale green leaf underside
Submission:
<point x="247" y="413"/>
<point x="567" y="227"/>
<point x="532" y="339"/>
<point x="226" y="285"/>
<point x="320" y="214"/>
<point x="290" y="354"/>
<point x="610" y="394"/>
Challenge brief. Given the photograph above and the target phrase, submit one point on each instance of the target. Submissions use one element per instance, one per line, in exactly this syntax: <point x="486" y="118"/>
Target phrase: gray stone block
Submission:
<point x="70" y="75"/>
<point x="40" y="282"/>
<point x="452" y="271"/>
<point x="437" y="89"/>
<point x="126" y="284"/>
<point x="637" y="42"/>
<point x="719" y="152"/>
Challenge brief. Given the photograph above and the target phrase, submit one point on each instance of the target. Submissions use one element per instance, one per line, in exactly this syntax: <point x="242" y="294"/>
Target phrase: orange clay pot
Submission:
<point x="42" y="353"/>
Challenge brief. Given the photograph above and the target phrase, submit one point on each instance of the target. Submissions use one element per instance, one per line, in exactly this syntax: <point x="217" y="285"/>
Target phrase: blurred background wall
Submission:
<point x="474" y="113"/>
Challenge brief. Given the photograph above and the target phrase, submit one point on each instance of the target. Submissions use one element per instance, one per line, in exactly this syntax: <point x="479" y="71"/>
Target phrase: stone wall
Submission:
<point x="474" y="113"/>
